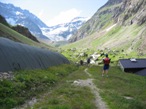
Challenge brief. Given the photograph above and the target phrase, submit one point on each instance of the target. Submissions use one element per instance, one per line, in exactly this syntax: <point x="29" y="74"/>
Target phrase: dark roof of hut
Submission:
<point x="133" y="63"/>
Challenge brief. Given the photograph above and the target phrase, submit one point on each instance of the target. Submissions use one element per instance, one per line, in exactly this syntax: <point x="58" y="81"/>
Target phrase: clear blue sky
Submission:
<point x="58" y="11"/>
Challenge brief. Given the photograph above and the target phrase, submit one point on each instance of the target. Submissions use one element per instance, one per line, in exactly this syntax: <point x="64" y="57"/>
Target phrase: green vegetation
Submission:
<point x="127" y="40"/>
<point x="54" y="89"/>
<point x="121" y="90"/>
<point x="77" y="54"/>
<point x="20" y="38"/>
<point x="68" y="96"/>
<point x="60" y="43"/>
<point x="16" y="35"/>
<point x="30" y="83"/>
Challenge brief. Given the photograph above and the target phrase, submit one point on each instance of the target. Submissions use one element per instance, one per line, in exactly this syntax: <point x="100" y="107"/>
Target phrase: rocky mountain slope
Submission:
<point x="118" y="25"/>
<point x="61" y="32"/>
<point x="15" y="15"/>
<point x="20" y="29"/>
<point x="98" y="20"/>
<point x="24" y="31"/>
<point x="20" y="34"/>
<point x="122" y="12"/>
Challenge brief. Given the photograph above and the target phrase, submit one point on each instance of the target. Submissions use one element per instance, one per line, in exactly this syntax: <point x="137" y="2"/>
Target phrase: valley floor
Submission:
<point x="98" y="102"/>
<point x="87" y="89"/>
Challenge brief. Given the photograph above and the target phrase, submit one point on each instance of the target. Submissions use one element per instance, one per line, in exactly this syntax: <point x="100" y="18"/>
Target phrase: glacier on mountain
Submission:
<point x="62" y="32"/>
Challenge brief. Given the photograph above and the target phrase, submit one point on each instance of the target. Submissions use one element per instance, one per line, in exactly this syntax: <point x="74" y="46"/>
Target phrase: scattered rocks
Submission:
<point x="128" y="98"/>
<point x="76" y="82"/>
<point x="6" y="75"/>
<point x="27" y="104"/>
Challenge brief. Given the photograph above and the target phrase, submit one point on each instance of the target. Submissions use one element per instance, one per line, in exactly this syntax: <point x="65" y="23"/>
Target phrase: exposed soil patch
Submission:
<point x="89" y="83"/>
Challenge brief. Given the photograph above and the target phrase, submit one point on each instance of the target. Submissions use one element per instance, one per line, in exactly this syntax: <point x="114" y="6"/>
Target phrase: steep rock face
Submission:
<point x="134" y="12"/>
<point x="122" y="12"/>
<point x="24" y="31"/>
<point x="98" y="20"/>
<point x="111" y="2"/>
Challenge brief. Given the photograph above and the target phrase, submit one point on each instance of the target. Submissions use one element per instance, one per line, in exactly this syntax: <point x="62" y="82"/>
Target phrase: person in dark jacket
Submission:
<point x="88" y="60"/>
<point x="81" y="62"/>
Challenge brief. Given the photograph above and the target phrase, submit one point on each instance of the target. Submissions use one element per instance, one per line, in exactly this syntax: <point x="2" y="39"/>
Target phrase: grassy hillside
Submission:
<point x="117" y="26"/>
<point x="53" y="89"/>
<point x="101" y="19"/>
<point x="13" y="35"/>
<point x="121" y="90"/>
<point x="109" y="39"/>
<point x="128" y="41"/>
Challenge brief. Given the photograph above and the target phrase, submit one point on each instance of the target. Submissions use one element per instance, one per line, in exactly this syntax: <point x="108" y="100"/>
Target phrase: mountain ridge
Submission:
<point x="62" y="32"/>
<point x="123" y="12"/>
<point x="119" y="27"/>
<point x="25" y="37"/>
<point x="16" y="15"/>
<point x="20" y="29"/>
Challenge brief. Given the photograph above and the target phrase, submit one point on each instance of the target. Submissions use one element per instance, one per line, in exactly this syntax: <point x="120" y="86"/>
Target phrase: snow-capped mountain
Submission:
<point x="61" y="32"/>
<point x="15" y="15"/>
<point x="64" y="31"/>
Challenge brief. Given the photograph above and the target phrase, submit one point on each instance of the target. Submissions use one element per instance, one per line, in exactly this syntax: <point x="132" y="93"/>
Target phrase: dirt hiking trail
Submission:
<point x="100" y="104"/>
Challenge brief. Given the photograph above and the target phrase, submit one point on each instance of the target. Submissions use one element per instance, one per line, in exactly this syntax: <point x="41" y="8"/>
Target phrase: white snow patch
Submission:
<point x="110" y="27"/>
<point x="53" y="34"/>
<point x="69" y="37"/>
<point x="18" y="13"/>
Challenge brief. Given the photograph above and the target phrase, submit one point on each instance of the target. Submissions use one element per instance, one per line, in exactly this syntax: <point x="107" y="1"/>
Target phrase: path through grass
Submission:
<point x="120" y="90"/>
<point x="54" y="89"/>
<point x="66" y="95"/>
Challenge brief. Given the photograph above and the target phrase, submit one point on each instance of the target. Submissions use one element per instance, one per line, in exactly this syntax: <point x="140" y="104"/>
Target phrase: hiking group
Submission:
<point x="106" y="62"/>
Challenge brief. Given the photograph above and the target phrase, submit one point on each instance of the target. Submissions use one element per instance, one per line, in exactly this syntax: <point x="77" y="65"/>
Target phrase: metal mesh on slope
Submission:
<point x="16" y="56"/>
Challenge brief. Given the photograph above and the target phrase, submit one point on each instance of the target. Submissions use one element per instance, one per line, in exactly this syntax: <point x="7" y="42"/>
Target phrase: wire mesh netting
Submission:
<point x="16" y="56"/>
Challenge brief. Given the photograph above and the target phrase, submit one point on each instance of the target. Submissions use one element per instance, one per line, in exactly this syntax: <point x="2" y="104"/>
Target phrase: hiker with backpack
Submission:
<point x="106" y="62"/>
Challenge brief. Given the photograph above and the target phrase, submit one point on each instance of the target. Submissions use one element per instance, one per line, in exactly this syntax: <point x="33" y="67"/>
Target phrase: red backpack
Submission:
<point x="106" y="61"/>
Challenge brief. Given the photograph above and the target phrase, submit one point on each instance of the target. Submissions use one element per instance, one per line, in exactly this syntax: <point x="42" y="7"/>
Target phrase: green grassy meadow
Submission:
<point x="54" y="89"/>
<point x="68" y="96"/>
<point x="120" y="90"/>
<point x="29" y="83"/>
